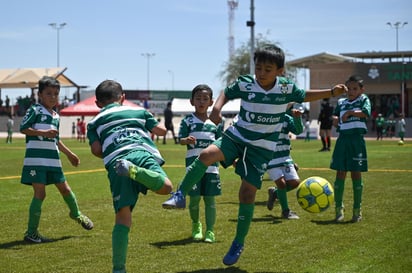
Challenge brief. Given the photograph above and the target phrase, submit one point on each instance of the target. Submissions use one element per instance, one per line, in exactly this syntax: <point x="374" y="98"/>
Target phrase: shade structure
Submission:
<point x="29" y="77"/>
<point x="88" y="107"/>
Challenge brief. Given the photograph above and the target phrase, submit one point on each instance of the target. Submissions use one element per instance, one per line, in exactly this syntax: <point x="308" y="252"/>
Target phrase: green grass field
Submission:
<point x="160" y="239"/>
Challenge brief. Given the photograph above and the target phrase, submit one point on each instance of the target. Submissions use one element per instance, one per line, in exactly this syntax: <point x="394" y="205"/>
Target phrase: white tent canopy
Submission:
<point x="183" y="107"/>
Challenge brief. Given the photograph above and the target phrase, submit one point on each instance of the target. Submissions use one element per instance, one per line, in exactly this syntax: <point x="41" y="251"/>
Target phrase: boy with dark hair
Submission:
<point x="120" y="135"/>
<point x="42" y="165"/>
<point x="350" y="117"/>
<point x="253" y="135"/>
<point x="326" y="122"/>
<point x="197" y="132"/>
<point x="281" y="168"/>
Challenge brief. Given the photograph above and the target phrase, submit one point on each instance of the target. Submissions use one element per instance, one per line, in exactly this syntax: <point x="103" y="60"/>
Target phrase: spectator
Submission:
<point x="325" y="120"/>
<point x="168" y="115"/>
<point x="380" y="122"/>
<point x="10" y="125"/>
<point x="402" y="127"/>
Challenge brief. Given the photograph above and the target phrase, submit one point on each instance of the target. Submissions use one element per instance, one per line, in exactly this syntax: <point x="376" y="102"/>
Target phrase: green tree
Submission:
<point x="239" y="63"/>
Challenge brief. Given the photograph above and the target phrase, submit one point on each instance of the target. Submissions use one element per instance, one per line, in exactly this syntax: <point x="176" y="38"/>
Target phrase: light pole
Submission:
<point x="397" y="26"/>
<point x="58" y="27"/>
<point x="251" y="24"/>
<point x="172" y="74"/>
<point x="148" y="56"/>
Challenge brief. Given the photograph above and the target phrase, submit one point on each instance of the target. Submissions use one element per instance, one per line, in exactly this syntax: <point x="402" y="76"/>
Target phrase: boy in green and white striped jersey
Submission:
<point x="350" y="117"/>
<point x="121" y="136"/>
<point x="253" y="135"/>
<point x="42" y="165"/>
<point x="197" y="132"/>
<point x="281" y="168"/>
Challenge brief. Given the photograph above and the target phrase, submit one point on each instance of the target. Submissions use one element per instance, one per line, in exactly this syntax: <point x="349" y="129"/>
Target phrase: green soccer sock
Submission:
<point x="339" y="186"/>
<point x="120" y="241"/>
<point x="283" y="198"/>
<point x="193" y="175"/>
<point x="244" y="219"/>
<point x="357" y="193"/>
<point x="71" y="202"/>
<point x="194" y="208"/>
<point x="34" y="215"/>
<point x="148" y="178"/>
<point x="210" y="212"/>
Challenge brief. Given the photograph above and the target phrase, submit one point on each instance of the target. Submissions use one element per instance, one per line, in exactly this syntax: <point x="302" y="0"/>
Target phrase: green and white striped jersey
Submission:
<point x="262" y="112"/>
<point x="282" y="152"/>
<point x="41" y="152"/>
<point x="353" y="125"/>
<point x="122" y="129"/>
<point x="205" y="132"/>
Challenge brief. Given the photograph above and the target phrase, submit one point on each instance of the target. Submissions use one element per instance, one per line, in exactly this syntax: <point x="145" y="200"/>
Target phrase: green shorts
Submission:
<point x="350" y="154"/>
<point x="125" y="191"/>
<point x="32" y="175"/>
<point x="252" y="161"/>
<point x="209" y="185"/>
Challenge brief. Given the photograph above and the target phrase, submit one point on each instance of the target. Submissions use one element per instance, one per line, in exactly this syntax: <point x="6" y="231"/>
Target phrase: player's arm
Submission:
<point x="337" y="90"/>
<point x="51" y="133"/>
<point x="353" y="113"/>
<point x="216" y="114"/>
<point x="96" y="149"/>
<point x="73" y="158"/>
<point x="159" y="130"/>
<point x="187" y="140"/>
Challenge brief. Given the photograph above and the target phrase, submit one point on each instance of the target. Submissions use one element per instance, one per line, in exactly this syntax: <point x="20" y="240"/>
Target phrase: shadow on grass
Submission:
<point x="217" y="270"/>
<point x="267" y="218"/>
<point x="231" y="269"/>
<point x="20" y="243"/>
<point x="330" y="222"/>
<point x="181" y="242"/>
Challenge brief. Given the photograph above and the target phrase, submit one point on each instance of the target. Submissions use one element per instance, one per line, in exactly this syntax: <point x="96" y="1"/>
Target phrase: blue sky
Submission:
<point x="105" y="39"/>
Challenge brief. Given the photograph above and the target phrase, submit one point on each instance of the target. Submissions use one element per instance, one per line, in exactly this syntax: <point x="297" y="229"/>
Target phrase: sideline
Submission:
<point x="182" y="166"/>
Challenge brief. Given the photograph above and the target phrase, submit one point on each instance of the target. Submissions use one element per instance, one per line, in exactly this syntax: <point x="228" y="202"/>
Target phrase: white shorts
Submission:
<point x="289" y="172"/>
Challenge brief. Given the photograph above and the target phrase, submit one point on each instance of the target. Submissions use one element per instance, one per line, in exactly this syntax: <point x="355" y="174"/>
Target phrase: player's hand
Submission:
<point x="335" y="121"/>
<point x="339" y="89"/>
<point x="74" y="159"/>
<point x="296" y="113"/>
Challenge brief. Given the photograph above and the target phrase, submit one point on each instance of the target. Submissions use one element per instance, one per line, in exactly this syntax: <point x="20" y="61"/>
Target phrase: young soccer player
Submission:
<point x="350" y="117"/>
<point x="307" y="130"/>
<point x="42" y="165"/>
<point x="10" y="125"/>
<point x="402" y="127"/>
<point x="281" y="168"/>
<point x="197" y="132"/>
<point x="252" y="136"/>
<point x="120" y="135"/>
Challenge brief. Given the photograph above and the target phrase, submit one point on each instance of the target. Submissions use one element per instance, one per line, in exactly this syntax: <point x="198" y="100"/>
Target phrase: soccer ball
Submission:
<point x="315" y="194"/>
<point x="400" y="142"/>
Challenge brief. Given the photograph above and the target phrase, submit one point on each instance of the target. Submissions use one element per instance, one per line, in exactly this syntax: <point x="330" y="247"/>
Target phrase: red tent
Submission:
<point x="87" y="107"/>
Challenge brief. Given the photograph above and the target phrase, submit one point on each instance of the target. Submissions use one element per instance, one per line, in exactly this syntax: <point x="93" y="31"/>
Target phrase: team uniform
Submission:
<point x="124" y="133"/>
<point x="350" y="149"/>
<point x="206" y="132"/>
<point x="255" y="131"/>
<point x="42" y="162"/>
<point x="282" y="163"/>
